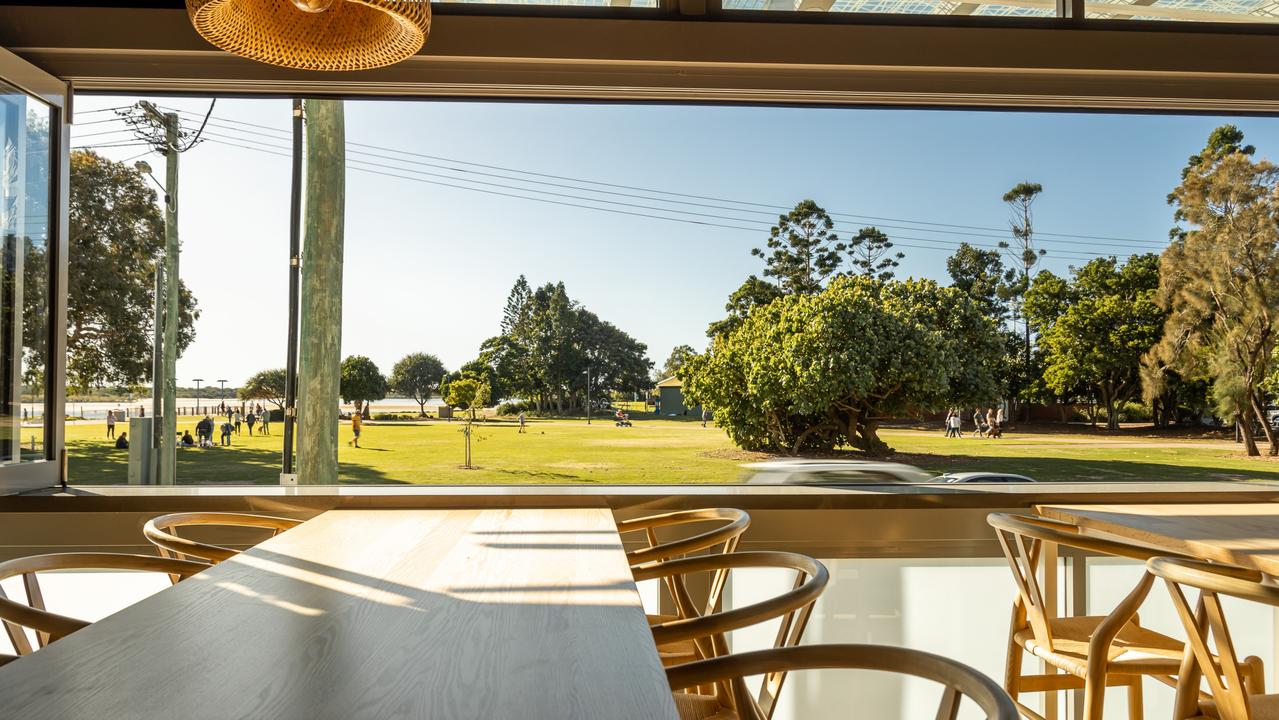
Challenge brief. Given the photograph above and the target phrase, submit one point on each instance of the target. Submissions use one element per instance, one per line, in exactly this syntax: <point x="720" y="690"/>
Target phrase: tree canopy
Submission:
<point x="870" y="253"/>
<point x="417" y="375"/>
<point x="981" y="275"/>
<point x="547" y="343"/>
<point x="679" y="355"/>
<point x="361" y="382"/>
<point x="116" y="237"/>
<point x="802" y="250"/>
<point x="265" y="385"/>
<point x="1095" y="327"/>
<point x="814" y="372"/>
<point x="1219" y="279"/>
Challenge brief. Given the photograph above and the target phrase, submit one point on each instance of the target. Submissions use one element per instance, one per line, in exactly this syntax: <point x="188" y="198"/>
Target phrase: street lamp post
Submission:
<point x="587" y="373"/>
<point x="197" y="394"/>
<point x="222" y="393"/>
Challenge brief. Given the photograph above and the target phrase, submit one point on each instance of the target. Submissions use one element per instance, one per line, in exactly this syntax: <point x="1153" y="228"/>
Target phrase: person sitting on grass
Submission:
<point x="187" y="440"/>
<point x="122" y="442"/>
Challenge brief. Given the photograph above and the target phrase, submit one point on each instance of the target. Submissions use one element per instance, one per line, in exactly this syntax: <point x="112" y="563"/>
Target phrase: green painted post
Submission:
<point x="167" y="471"/>
<point x="320" y="331"/>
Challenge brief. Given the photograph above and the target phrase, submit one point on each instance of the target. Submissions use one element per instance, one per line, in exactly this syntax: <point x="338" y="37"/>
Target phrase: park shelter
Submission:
<point x="670" y="392"/>
<point x="916" y="565"/>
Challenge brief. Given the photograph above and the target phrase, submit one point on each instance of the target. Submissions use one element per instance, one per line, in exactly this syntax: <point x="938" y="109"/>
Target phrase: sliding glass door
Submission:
<point x="32" y="247"/>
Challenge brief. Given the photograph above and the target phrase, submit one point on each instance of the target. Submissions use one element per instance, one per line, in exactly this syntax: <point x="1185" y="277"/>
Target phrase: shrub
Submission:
<point x="514" y="408"/>
<point x="1134" y="412"/>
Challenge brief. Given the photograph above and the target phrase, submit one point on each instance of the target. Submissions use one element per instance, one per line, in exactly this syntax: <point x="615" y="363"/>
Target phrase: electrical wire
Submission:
<point x="284" y="152"/>
<point x="1002" y="232"/>
<point x="195" y="140"/>
<point x="381" y="170"/>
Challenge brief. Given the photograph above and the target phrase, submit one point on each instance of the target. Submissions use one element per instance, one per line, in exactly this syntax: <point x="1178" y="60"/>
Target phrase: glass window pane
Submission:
<point x="25" y="206"/>
<point x="1240" y="11"/>
<point x="566" y="3"/>
<point x="1009" y="8"/>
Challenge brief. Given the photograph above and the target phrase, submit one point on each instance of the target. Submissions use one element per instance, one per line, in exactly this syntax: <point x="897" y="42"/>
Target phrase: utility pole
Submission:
<point x="295" y="277"/>
<point x="222" y="393"/>
<point x="168" y="459"/>
<point x="157" y="379"/>
<point x="320" y="315"/>
<point x="588" y="394"/>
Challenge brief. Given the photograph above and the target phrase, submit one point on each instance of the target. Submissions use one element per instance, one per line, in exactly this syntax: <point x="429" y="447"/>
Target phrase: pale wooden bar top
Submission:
<point x="1243" y="534"/>
<point x="374" y="614"/>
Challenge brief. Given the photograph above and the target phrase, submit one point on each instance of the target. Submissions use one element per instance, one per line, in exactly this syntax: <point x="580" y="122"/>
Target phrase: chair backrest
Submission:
<point x="1022" y="539"/>
<point x="707" y="631"/>
<point x="162" y="532"/>
<point x="724" y="537"/>
<point x="959" y="680"/>
<point x="15" y="616"/>
<point x="1207" y="623"/>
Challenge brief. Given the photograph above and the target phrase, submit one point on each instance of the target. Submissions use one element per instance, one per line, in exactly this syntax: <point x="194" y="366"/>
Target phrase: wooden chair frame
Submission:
<point x="162" y="532"/>
<point x="725" y="537"/>
<point x="48" y="626"/>
<point x="708" y="631"/>
<point x="1232" y="683"/>
<point x="958" y="679"/>
<point x="1022" y="538"/>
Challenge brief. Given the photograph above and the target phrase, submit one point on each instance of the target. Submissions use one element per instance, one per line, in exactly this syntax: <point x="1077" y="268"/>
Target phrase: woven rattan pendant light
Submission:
<point x="315" y="34"/>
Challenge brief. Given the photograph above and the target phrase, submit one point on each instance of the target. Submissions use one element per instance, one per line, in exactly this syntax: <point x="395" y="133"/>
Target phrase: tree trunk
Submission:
<point x="1112" y="418"/>
<point x="1245" y="430"/>
<point x="874" y="447"/>
<point x="421" y="408"/>
<point x="1269" y="431"/>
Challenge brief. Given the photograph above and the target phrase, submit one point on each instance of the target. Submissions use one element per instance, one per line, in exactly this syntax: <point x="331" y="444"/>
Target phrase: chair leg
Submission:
<point x="1136" y="709"/>
<point x="1012" y="673"/>
<point x="1095" y="688"/>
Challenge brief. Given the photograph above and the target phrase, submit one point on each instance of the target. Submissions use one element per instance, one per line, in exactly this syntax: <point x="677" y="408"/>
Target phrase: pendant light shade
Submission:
<point x="315" y="34"/>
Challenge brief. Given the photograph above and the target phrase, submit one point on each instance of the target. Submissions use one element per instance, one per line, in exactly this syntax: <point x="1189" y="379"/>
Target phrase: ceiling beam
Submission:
<point x="1066" y="64"/>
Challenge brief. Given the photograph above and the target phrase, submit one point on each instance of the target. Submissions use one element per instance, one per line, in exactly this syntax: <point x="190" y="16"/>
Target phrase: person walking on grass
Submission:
<point x="227" y="427"/>
<point x="356" y="421"/>
<point x="239" y="418"/>
<point x="251" y="420"/>
<point x="264" y="419"/>
<point x="703" y="416"/>
<point x="521" y="419"/>
<point x="979" y="429"/>
<point x="950" y="414"/>
<point x="110" y="423"/>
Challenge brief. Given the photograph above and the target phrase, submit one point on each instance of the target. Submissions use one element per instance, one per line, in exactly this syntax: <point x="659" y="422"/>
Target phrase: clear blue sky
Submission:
<point x="428" y="267"/>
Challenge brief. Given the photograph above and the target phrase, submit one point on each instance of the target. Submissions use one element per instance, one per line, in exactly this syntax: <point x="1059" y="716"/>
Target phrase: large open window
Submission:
<point x="544" y="249"/>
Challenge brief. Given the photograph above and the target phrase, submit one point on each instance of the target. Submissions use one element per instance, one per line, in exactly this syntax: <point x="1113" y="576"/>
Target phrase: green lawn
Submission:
<point x="658" y="451"/>
<point x="569" y="451"/>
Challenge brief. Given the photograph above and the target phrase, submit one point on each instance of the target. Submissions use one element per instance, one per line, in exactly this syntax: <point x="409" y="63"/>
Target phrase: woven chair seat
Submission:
<point x="691" y="706"/>
<point x="1135" y="649"/>
<point x="1264" y="707"/>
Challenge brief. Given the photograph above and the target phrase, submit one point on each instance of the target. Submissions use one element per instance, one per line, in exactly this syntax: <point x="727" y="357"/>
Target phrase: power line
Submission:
<point x="637" y="206"/>
<point x="380" y="170"/>
<point x="393" y="158"/>
<point x="1002" y="231"/>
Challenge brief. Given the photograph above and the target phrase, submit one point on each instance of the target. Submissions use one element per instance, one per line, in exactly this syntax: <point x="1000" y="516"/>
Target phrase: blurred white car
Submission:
<point x="981" y="477"/>
<point x="831" y="472"/>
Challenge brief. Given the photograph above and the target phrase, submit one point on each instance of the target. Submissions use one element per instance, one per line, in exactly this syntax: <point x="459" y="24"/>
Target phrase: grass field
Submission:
<point x="658" y="451"/>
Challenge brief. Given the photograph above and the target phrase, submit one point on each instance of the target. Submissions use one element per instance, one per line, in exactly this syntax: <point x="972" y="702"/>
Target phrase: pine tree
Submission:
<point x="870" y="252"/>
